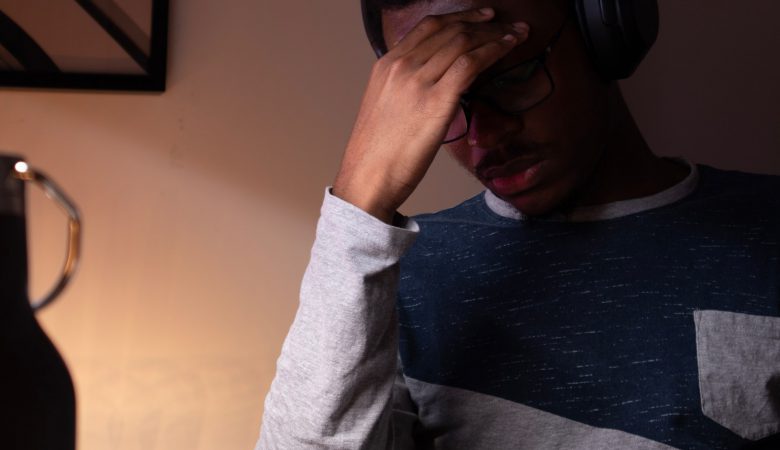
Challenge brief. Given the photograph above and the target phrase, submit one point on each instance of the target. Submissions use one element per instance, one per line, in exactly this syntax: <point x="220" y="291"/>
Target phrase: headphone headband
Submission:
<point x="372" y="23"/>
<point x="617" y="33"/>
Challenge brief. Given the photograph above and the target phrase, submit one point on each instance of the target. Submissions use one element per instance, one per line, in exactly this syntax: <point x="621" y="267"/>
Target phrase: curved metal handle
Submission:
<point x="52" y="191"/>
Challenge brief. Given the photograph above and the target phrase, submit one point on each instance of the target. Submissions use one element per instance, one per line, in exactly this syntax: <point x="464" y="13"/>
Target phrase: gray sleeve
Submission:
<point x="337" y="373"/>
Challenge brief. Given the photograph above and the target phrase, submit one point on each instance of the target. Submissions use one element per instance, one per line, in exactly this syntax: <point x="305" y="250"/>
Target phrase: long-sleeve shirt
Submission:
<point x="647" y="323"/>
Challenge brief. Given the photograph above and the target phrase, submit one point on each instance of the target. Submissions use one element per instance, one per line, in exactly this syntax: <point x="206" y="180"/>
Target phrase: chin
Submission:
<point x="536" y="202"/>
<point x="532" y="208"/>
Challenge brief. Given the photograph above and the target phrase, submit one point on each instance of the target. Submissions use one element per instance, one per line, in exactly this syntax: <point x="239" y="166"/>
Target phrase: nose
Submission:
<point x="491" y="129"/>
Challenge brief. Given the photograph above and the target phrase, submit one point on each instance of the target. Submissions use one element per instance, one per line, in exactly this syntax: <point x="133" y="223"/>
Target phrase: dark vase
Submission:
<point x="37" y="400"/>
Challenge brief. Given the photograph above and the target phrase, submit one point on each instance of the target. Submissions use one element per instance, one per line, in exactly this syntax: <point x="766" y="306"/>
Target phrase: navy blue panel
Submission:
<point x="591" y="321"/>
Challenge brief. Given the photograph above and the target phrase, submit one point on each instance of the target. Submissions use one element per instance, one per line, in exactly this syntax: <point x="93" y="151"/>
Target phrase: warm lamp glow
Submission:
<point x="21" y="167"/>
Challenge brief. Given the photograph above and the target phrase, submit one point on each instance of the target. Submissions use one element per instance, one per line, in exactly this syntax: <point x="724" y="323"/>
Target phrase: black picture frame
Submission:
<point x="30" y="66"/>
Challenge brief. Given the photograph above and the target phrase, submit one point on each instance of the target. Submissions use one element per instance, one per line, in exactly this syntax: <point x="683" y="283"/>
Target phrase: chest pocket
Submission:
<point x="739" y="371"/>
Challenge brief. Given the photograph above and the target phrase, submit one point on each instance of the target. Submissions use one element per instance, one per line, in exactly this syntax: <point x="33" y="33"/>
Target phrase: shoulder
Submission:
<point x="732" y="199"/>
<point x="737" y="191"/>
<point x="735" y="183"/>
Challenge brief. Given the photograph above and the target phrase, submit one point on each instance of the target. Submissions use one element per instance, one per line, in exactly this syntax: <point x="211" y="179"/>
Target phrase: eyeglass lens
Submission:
<point x="512" y="92"/>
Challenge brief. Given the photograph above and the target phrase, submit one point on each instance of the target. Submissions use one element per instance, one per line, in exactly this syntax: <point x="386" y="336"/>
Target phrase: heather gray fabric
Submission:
<point x="739" y="371"/>
<point x="609" y="210"/>
<point x="495" y="423"/>
<point x="335" y="376"/>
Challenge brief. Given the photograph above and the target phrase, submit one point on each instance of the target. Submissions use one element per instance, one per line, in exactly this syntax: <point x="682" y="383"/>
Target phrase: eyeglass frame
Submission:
<point x="468" y="97"/>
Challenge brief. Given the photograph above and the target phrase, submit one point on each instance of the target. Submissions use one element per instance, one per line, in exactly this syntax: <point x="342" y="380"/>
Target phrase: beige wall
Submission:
<point x="200" y="204"/>
<point x="709" y="89"/>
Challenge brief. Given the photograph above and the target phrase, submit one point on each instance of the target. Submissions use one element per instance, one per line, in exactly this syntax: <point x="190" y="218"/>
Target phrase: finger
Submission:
<point x="463" y="43"/>
<point x="459" y="37"/>
<point x="434" y="23"/>
<point x="466" y="67"/>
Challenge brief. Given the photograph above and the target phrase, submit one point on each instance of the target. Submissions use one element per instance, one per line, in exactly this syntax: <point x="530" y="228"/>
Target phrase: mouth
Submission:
<point x="513" y="177"/>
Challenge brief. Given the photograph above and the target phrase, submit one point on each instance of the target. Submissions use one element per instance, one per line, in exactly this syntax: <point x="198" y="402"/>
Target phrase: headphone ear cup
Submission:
<point x="617" y="33"/>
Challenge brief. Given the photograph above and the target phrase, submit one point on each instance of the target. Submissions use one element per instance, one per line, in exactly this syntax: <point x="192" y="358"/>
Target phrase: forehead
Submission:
<point x="544" y="17"/>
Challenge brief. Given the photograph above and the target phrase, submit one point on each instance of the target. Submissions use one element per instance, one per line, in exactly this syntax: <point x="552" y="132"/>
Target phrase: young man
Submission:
<point x="595" y="296"/>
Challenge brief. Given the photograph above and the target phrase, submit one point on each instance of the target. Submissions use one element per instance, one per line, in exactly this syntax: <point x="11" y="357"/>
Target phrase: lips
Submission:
<point x="513" y="177"/>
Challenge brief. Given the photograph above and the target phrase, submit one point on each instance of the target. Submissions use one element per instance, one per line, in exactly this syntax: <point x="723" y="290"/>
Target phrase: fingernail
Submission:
<point x="509" y="37"/>
<point x="521" y="27"/>
<point x="486" y="11"/>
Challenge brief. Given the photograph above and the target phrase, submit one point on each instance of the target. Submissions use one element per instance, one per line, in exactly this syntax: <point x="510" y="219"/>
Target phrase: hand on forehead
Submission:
<point x="543" y="16"/>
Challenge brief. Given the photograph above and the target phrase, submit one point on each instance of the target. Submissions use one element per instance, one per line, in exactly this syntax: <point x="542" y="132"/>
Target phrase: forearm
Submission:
<point x="335" y="375"/>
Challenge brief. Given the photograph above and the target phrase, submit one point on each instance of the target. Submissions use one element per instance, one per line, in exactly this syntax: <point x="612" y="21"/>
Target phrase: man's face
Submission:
<point x="537" y="159"/>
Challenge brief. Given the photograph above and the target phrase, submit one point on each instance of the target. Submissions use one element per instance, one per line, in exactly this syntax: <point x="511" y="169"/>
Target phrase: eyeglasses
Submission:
<point x="512" y="91"/>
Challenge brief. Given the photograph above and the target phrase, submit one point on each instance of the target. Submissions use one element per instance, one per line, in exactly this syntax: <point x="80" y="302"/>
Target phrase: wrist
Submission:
<point x="368" y="203"/>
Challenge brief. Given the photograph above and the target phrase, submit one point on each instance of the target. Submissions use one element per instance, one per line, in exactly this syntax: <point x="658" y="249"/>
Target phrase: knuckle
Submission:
<point x="399" y="65"/>
<point x="381" y="65"/>
<point x="384" y="60"/>
<point x="431" y="23"/>
<point x="495" y="45"/>
<point x="457" y="27"/>
<point x="465" y="62"/>
<point x="418" y="81"/>
<point x="462" y="40"/>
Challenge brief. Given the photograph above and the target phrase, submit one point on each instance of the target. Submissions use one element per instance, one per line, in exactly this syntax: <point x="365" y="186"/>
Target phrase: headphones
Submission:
<point x="617" y="33"/>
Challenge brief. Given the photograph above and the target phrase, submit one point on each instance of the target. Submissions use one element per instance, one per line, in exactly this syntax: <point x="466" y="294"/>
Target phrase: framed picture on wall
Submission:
<point x="84" y="44"/>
